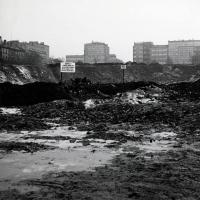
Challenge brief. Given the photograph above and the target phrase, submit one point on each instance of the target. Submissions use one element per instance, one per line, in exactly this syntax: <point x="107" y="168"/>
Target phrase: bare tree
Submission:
<point x="33" y="58"/>
<point x="169" y="60"/>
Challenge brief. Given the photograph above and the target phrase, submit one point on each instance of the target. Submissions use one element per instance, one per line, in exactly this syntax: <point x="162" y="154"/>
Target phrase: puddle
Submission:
<point x="159" y="142"/>
<point x="70" y="156"/>
<point x="18" y="166"/>
<point x="156" y="146"/>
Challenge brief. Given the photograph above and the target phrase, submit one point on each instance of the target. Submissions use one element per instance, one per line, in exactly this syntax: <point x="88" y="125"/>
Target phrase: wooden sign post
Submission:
<point x="67" y="67"/>
<point x="123" y="67"/>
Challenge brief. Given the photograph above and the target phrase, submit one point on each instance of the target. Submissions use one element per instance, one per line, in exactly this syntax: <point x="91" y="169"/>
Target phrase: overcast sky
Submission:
<point x="65" y="25"/>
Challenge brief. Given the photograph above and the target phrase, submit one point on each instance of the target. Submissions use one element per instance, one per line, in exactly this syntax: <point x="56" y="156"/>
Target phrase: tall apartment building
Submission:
<point x="138" y="52"/>
<point x="96" y="52"/>
<point x="159" y="53"/>
<point x="141" y="52"/>
<point x="182" y="51"/>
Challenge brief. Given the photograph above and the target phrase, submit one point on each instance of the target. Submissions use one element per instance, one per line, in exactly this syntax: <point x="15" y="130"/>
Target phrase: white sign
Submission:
<point x="67" y="67"/>
<point x="123" y="66"/>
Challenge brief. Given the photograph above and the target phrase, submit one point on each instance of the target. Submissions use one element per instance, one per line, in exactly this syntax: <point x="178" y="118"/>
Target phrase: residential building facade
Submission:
<point x="11" y="54"/>
<point x="141" y="52"/>
<point x="181" y="52"/>
<point x="159" y="54"/>
<point x="96" y="52"/>
<point x="15" y="51"/>
<point x="40" y="48"/>
<point x="138" y="52"/>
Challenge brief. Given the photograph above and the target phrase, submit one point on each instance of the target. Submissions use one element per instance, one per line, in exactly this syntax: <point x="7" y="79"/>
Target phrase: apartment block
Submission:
<point x="141" y="52"/>
<point x="181" y="52"/>
<point x="10" y="53"/>
<point x="96" y="52"/>
<point x="159" y="54"/>
<point x="40" y="48"/>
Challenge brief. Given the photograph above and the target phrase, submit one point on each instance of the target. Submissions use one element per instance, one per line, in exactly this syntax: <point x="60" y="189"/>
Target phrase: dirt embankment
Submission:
<point x="101" y="72"/>
<point x="111" y="72"/>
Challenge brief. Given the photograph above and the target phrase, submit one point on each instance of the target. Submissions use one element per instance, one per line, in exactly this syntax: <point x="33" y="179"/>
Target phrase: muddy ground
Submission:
<point x="137" y="144"/>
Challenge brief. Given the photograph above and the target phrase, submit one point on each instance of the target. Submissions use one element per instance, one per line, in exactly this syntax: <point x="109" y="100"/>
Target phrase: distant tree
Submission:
<point x="196" y="58"/>
<point x="128" y="63"/>
<point x="154" y="61"/>
<point x="80" y="62"/>
<point x="169" y="60"/>
<point x="54" y="60"/>
<point x="33" y="58"/>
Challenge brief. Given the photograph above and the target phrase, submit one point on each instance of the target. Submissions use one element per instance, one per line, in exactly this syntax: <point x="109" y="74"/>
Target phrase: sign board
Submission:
<point x="123" y="66"/>
<point x="68" y="67"/>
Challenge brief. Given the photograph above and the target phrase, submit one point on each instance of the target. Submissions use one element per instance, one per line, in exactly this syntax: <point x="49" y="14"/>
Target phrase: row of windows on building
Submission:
<point x="177" y="45"/>
<point x="160" y="58"/>
<point x="159" y="50"/>
<point x="95" y="47"/>
<point x="96" y="56"/>
<point x="96" y="52"/>
<point x="159" y="54"/>
<point x="38" y="51"/>
<point x="8" y="54"/>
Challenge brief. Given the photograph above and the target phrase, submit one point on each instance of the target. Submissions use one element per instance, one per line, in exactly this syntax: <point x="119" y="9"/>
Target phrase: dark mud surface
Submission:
<point x="27" y="147"/>
<point x="160" y="142"/>
<point x="16" y="122"/>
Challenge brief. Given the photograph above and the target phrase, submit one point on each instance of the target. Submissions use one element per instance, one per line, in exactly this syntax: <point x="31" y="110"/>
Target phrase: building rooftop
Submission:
<point x="96" y="43"/>
<point x="36" y="42"/>
<point x="183" y="40"/>
<point x="142" y="42"/>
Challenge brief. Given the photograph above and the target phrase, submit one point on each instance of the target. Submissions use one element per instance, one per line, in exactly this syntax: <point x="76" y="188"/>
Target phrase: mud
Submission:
<point x="121" y="147"/>
<point x="25" y="147"/>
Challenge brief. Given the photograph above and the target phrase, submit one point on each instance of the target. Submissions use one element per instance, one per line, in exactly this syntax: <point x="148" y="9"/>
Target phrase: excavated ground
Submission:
<point x="143" y="144"/>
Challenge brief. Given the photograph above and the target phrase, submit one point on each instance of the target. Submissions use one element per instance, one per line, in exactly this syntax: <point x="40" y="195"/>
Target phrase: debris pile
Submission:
<point x="153" y="129"/>
<point x="184" y="90"/>
<point x="32" y="93"/>
<point x="21" y="122"/>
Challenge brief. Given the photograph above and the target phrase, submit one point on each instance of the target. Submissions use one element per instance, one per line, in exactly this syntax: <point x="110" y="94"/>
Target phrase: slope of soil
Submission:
<point x="101" y="73"/>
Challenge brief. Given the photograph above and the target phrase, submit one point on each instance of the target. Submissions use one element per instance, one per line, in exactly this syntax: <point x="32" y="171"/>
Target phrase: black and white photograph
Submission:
<point x="99" y="99"/>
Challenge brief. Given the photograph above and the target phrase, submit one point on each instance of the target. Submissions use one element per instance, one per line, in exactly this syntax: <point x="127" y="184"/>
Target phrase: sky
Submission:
<point x="66" y="25"/>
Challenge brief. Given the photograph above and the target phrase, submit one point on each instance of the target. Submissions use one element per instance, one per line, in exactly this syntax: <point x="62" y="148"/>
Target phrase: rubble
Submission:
<point x="155" y="144"/>
<point x="21" y="122"/>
